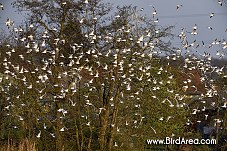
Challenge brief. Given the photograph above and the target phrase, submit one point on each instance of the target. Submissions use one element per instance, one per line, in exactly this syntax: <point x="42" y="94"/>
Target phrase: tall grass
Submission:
<point x="24" y="145"/>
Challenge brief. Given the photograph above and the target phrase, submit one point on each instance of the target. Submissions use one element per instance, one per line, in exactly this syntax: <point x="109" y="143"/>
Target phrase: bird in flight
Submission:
<point x="8" y="22"/>
<point x="210" y="28"/>
<point x="211" y="15"/>
<point x="1" y="6"/>
<point x="154" y="12"/>
<point x="220" y="2"/>
<point x="179" y="6"/>
<point x="39" y="135"/>
<point x="194" y="31"/>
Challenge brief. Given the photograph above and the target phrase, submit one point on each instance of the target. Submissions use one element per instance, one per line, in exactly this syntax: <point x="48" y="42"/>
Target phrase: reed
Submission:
<point x="24" y="145"/>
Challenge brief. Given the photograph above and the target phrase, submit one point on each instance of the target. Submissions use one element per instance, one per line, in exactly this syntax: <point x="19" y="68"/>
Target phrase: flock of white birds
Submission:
<point x="37" y="80"/>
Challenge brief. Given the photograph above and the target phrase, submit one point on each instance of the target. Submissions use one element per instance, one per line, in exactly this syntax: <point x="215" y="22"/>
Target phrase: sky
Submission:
<point x="192" y="12"/>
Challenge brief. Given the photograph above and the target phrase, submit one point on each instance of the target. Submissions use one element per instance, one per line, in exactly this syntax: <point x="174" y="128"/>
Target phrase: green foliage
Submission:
<point x="89" y="80"/>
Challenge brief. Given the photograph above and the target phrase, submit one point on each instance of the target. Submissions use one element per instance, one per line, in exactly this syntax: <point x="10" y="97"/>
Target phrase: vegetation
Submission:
<point x="79" y="76"/>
